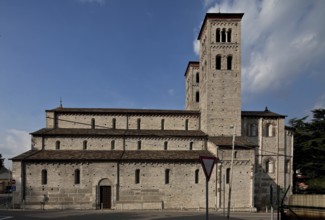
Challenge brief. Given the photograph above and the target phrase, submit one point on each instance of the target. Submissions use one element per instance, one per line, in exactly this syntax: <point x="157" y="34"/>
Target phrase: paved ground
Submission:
<point x="117" y="215"/>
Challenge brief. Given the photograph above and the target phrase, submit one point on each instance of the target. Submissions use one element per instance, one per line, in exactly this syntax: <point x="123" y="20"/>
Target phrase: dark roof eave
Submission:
<point x="191" y="63"/>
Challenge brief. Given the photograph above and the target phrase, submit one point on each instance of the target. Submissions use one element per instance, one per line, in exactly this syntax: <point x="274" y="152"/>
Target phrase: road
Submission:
<point x="118" y="215"/>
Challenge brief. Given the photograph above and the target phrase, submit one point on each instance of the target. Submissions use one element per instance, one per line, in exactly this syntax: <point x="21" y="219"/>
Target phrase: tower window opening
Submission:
<point x="229" y="36"/>
<point x="44" y="177"/>
<point x="227" y="175"/>
<point x="223" y="35"/>
<point x="197" y="77"/>
<point x="57" y="145"/>
<point x="218" y="62"/>
<point x="191" y="145"/>
<point x="165" y="145"/>
<point x="269" y="166"/>
<point x="186" y="125"/>
<point x="229" y="62"/>
<point x="114" y="123"/>
<point x="137" y="176"/>
<point x="139" y="145"/>
<point x="269" y="130"/>
<point x="113" y="145"/>
<point x="162" y="124"/>
<point x="197" y="97"/>
<point x="85" y="145"/>
<point x="93" y="123"/>
<point x="167" y="172"/>
<point x="196" y="176"/>
<point x="139" y="124"/>
<point x="77" y="176"/>
<point x="218" y="35"/>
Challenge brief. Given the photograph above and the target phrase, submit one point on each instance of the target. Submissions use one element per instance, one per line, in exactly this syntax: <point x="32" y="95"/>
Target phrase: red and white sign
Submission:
<point x="13" y="181"/>
<point x="207" y="164"/>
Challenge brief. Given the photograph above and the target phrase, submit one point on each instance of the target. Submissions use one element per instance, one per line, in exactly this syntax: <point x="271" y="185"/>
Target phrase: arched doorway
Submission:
<point x="105" y="194"/>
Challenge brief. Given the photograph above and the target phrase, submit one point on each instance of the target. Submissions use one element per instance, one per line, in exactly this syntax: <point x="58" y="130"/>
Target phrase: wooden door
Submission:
<point x="105" y="197"/>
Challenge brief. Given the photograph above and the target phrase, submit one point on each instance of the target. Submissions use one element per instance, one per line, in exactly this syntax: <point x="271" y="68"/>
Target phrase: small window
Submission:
<point x="269" y="166"/>
<point x="139" y="124"/>
<point x="139" y="145"/>
<point x="218" y="62"/>
<point x="186" y="125"/>
<point x="218" y="35"/>
<point x="113" y="145"/>
<point x="197" y="97"/>
<point x="269" y="130"/>
<point x="287" y="166"/>
<point x="137" y="176"/>
<point x="162" y="124"/>
<point x="229" y="63"/>
<point x="114" y="123"/>
<point x="229" y="36"/>
<point x="196" y="176"/>
<point x="197" y="77"/>
<point x="252" y="130"/>
<point x="235" y="154"/>
<point x="93" y="123"/>
<point x="166" y="145"/>
<point x="85" y="145"/>
<point x="77" y="176"/>
<point x="167" y="172"/>
<point x="44" y="177"/>
<point x="227" y="175"/>
<point x="223" y="35"/>
<point x="57" y="145"/>
<point x="191" y="145"/>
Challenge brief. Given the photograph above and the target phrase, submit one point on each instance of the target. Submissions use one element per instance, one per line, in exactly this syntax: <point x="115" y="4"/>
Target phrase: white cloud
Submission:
<point x="320" y="103"/>
<point x="196" y="46"/>
<point x="100" y="2"/>
<point x="280" y="40"/>
<point x="171" y="92"/>
<point x="14" y="142"/>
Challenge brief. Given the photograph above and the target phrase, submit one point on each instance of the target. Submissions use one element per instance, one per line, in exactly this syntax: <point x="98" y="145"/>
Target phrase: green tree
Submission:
<point x="309" y="147"/>
<point x="1" y="161"/>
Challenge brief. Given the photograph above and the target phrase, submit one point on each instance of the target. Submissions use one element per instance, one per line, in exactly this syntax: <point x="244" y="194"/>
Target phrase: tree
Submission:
<point x="309" y="148"/>
<point x="1" y="161"/>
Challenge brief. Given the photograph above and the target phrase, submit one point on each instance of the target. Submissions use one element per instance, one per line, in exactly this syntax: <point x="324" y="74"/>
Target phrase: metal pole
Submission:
<point x="207" y="200"/>
<point x="231" y="170"/>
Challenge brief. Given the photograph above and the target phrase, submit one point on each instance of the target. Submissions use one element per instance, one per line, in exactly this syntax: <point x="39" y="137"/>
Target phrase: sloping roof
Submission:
<point x="191" y="63"/>
<point x="266" y="113"/>
<point x="219" y="16"/>
<point x="226" y="141"/>
<point x="5" y="173"/>
<point x="120" y="111"/>
<point x="99" y="155"/>
<point x="118" y="132"/>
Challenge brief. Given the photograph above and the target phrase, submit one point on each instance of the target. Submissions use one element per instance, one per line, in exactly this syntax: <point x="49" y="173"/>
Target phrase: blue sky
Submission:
<point x="133" y="54"/>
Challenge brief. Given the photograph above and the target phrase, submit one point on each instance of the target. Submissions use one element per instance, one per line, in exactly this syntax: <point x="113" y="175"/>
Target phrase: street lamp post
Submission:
<point x="231" y="169"/>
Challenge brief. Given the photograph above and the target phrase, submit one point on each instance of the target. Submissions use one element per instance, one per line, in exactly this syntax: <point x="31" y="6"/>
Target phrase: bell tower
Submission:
<point x="220" y="73"/>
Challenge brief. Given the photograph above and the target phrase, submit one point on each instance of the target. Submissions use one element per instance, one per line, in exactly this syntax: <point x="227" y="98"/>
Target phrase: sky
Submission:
<point x="133" y="54"/>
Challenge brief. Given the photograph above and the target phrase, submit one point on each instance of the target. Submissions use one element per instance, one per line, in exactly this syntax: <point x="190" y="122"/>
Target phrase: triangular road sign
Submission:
<point x="207" y="164"/>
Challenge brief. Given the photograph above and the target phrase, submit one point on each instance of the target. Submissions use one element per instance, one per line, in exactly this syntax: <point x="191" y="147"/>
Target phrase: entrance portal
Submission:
<point x="105" y="197"/>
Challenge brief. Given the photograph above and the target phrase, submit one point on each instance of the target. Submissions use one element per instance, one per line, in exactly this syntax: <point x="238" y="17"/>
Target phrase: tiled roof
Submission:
<point x="224" y="141"/>
<point x="98" y="155"/>
<point x="219" y="16"/>
<point x="265" y="113"/>
<point x="118" y="132"/>
<point x="123" y="111"/>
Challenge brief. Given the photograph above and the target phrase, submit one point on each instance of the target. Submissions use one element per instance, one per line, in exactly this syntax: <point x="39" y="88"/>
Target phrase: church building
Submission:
<point x="92" y="158"/>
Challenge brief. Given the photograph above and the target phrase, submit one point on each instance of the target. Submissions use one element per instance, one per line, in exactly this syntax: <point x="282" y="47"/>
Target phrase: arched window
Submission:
<point x="162" y="124"/>
<point x="165" y="145"/>
<point x="113" y="145"/>
<point x="227" y="175"/>
<point x="191" y="145"/>
<point x="93" y="123"/>
<point x="76" y="176"/>
<point x="139" y="145"/>
<point x="85" y="145"/>
<point x="287" y="166"/>
<point x="44" y="177"/>
<point x="223" y="35"/>
<point x="186" y="124"/>
<point x="269" y="130"/>
<point x="235" y="154"/>
<point x="218" y="35"/>
<point x="197" y="96"/>
<point x="197" y="77"/>
<point x="269" y="166"/>
<point x="167" y="172"/>
<point x="253" y="130"/>
<point x="137" y="176"/>
<point x="57" y="145"/>
<point x="229" y="36"/>
<point x="114" y="123"/>
<point x="139" y="123"/>
<point x="196" y="176"/>
<point x="229" y="62"/>
<point x="218" y="62"/>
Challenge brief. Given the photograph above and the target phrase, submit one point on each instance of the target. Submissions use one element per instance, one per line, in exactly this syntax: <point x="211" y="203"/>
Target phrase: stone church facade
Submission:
<point x="88" y="158"/>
